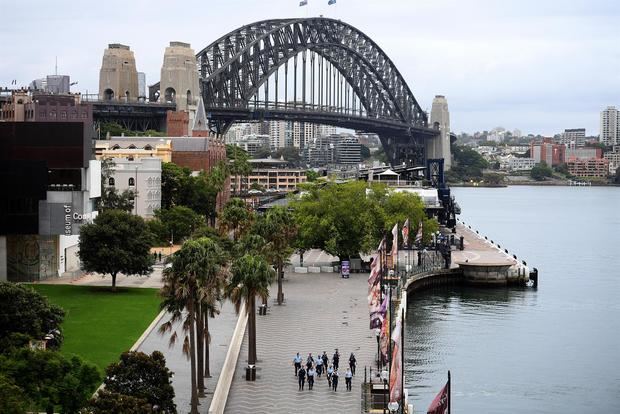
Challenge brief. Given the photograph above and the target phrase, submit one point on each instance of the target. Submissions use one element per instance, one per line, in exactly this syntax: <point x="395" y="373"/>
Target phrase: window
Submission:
<point x="131" y="146"/>
<point x="63" y="115"/>
<point x="111" y="181"/>
<point x="132" y="182"/>
<point x="115" y="147"/>
<point x="148" y="148"/>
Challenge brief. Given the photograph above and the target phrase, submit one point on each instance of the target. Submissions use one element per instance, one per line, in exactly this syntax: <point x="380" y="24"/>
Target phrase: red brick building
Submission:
<point x="177" y="123"/>
<point x="551" y="153"/>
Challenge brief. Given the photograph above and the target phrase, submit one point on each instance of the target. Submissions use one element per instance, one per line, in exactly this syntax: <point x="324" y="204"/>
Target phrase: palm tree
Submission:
<point x="203" y="288"/>
<point x="210" y="293"/>
<point x="236" y="217"/>
<point x="251" y="277"/>
<point x="179" y="293"/>
<point x="278" y="228"/>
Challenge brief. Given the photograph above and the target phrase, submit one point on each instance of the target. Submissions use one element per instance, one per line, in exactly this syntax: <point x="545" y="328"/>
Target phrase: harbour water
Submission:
<point x="551" y="350"/>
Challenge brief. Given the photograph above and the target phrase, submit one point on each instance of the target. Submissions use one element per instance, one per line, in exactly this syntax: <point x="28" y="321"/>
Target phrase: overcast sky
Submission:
<point x="537" y="65"/>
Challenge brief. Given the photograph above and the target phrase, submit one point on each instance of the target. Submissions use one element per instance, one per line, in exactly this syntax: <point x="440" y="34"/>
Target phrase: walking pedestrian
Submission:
<point x="325" y="359"/>
<point x="335" y="380"/>
<point x="319" y="366"/>
<point x="352" y="362"/>
<point x="347" y="378"/>
<point x="159" y="256"/>
<point x="330" y="372"/>
<point x="301" y="377"/>
<point x="309" y="361"/>
<point x="297" y="362"/>
<point x="336" y="359"/>
<point x="311" y="374"/>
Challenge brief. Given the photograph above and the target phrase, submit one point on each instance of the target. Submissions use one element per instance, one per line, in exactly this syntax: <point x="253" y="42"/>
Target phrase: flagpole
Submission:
<point x="449" y="393"/>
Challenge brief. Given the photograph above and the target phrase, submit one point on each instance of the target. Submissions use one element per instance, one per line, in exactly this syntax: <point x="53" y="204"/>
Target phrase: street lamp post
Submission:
<point x="384" y="377"/>
<point x="393" y="407"/>
<point x="378" y="335"/>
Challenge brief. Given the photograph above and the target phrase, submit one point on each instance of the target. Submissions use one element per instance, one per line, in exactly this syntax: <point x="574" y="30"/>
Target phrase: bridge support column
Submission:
<point x="439" y="146"/>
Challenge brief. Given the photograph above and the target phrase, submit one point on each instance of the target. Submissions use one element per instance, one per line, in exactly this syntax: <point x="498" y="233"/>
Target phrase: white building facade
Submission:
<point x="143" y="177"/>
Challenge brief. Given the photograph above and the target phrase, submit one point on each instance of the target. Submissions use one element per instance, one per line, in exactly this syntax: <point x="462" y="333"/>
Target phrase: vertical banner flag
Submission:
<point x="405" y="232"/>
<point x="440" y="403"/>
<point x="375" y="271"/>
<point x="303" y="3"/>
<point x="384" y="338"/>
<point x="418" y="236"/>
<point x="395" y="372"/>
<point x="394" y="245"/>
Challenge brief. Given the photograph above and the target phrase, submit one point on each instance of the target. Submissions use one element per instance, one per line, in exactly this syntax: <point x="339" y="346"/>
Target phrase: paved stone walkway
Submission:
<point x="221" y="328"/>
<point x="322" y="312"/>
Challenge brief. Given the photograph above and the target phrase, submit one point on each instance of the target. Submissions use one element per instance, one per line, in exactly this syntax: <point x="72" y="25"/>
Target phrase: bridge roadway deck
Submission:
<point x="322" y="312"/>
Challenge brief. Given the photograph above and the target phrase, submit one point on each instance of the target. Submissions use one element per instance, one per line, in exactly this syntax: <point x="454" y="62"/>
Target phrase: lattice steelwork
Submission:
<point x="314" y="69"/>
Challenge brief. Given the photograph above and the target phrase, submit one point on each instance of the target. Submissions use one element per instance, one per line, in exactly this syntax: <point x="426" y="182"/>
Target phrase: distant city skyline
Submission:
<point x="531" y="65"/>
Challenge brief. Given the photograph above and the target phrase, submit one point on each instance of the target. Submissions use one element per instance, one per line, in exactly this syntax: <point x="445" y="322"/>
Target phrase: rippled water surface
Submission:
<point x="551" y="350"/>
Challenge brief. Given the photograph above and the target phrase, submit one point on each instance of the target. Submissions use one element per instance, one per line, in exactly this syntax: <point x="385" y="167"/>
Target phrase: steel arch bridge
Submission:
<point x="339" y="76"/>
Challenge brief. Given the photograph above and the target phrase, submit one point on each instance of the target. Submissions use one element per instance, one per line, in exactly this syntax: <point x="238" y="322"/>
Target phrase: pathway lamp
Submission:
<point x="378" y="336"/>
<point x="384" y="377"/>
<point x="393" y="407"/>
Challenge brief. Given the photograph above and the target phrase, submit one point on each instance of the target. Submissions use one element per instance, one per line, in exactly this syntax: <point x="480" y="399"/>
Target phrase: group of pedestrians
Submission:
<point x="315" y="367"/>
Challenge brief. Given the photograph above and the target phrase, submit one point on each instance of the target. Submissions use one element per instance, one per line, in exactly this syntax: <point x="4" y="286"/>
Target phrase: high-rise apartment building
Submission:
<point x="573" y="138"/>
<point x="610" y="126"/>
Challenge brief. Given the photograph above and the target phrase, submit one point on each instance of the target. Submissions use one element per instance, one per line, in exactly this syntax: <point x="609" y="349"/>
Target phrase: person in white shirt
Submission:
<point x="297" y="362"/>
<point x="319" y="366"/>
<point x="311" y="374"/>
<point x="330" y="372"/>
<point x="347" y="378"/>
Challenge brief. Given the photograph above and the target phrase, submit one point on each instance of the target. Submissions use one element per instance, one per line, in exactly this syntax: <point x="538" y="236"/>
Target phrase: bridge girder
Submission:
<point x="237" y="65"/>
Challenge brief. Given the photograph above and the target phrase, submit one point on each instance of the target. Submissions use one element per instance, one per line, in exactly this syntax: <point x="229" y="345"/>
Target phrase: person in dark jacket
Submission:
<point x="325" y="359"/>
<point x="336" y="359"/>
<point x="352" y="363"/>
<point x="311" y="373"/>
<point x="309" y="361"/>
<point x="301" y="376"/>
<point x="335" y="380"/>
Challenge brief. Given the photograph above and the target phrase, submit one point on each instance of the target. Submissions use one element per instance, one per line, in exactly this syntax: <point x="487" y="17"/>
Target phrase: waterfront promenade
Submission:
<point x="322" y="312"/>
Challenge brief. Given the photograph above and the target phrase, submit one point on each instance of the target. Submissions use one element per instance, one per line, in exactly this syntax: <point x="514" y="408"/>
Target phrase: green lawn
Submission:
<point x="99" y="324"/>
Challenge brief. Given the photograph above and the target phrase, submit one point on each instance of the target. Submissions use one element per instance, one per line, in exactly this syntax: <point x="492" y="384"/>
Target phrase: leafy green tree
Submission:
<point x="28" y="313"/>
<point x="562" y="169"/>
<point x="107" y="402"/>
<point x="144" y="377"/>
<point x="116" y="242"/>
<point x="493" y="178"/>
<point x="290" y="154"/>
<point x="236" y="217"/>
<point x="238" y="163"/>
<point x="179" y="221"/>
<point x="339" y="218"/>
<point x="175" y="185"/>
<point x="468" y="164"/>
<point x="311" y="175"/>
<point x="541" y="171"/>
<point x="278" y="228"/>
<point x="364" y="152"/>
<point x="12" y="398"/>
<point x="49" y="379"/>
<point x="251" y="277"/>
